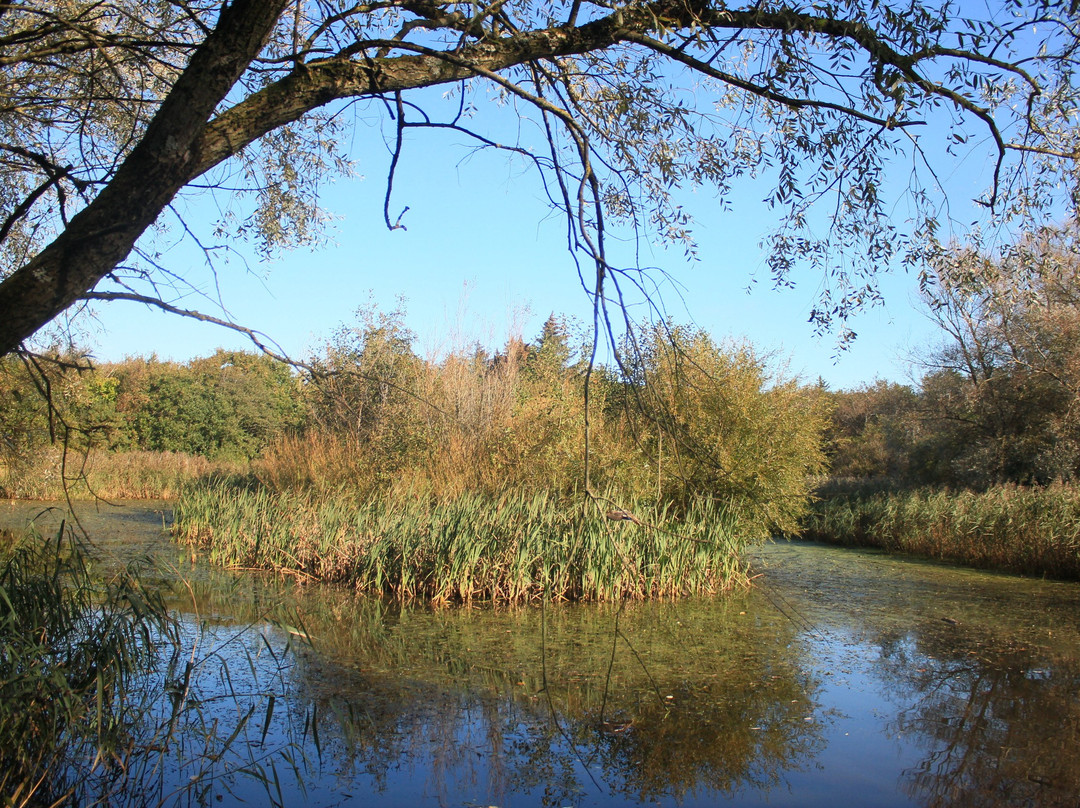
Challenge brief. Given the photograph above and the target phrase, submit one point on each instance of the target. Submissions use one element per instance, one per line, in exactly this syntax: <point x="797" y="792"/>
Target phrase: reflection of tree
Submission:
<point x="698" y="697"/>
<point x="723" y="739"/>
<point x="456" y="698"/>
<point x="695" y="701"/>
<point x="1000" y="720"/>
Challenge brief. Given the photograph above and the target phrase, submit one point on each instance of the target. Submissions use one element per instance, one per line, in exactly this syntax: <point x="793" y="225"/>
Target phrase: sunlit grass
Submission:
<point x="1032" y="530"/>
<point x="53" y="473"/>
<point x="512" y="548"/>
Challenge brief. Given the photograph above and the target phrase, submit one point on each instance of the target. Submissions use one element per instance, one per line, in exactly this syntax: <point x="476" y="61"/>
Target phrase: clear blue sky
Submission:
<point x="483" y="256"/>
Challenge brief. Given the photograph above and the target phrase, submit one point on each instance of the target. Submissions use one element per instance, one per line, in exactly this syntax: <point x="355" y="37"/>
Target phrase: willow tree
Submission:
<point x="1002" y="391"/>
<point x="110" y="109"/>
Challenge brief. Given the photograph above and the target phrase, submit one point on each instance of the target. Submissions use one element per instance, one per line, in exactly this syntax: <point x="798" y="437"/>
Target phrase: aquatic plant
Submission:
<point x="70" y="650"/>
<point x="106" y="698"/>
<point x="1032" y="530"/>
<point x="511" y="548"/>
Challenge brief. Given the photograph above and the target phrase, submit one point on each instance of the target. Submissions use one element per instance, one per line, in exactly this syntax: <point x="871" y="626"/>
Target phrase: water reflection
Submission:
<point x="998" y="720"/>
<point x="843" y="673"/>
<point x="981" y="672"/>
<point x="650" y="703"/>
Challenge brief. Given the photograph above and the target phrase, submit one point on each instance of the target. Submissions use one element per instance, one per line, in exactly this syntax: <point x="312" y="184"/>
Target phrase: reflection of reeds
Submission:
<point x="105" y="699"/>
<point x="510" y="548"/>
<point x="1028" y="530"/>
<point x="663" y="699"/>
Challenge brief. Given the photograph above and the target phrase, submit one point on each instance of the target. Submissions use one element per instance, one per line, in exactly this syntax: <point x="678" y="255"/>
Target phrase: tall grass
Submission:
<point x="51" y="473"/>
<point x="1030" y="530"/>
<point x="511" y="548"/>
<point x="70" y="648"/>
<point x="106" y="698"/>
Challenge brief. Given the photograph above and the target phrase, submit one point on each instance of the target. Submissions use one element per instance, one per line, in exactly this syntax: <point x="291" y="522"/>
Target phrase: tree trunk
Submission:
<point x="102" y="235"/>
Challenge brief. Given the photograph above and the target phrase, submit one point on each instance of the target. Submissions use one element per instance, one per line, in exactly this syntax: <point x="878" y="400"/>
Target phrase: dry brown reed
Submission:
<point x="465" y="478"/>
<point x="53" y="473"/>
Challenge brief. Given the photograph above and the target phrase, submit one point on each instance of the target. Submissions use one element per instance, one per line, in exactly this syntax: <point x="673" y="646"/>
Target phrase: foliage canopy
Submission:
<point x="110" y="110"/>
<point x="999" y="399"/>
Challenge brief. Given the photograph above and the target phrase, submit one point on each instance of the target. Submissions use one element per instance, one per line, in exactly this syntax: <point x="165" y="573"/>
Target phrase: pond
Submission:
<point x="841" y="677"/>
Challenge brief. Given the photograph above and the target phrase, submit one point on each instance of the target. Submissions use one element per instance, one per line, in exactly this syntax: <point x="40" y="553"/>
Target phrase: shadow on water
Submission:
<point x="897" y="682"/>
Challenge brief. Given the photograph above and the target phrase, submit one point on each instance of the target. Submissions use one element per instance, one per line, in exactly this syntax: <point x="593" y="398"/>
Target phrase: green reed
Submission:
<point x="105" y="700"/>
<point x="1031" y="530"/>
<point x="511" y="548"/>
<point x="71" y="647"/>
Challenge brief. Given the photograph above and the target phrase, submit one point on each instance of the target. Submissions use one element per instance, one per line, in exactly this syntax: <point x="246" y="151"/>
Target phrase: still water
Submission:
<point x="842" y="677"/>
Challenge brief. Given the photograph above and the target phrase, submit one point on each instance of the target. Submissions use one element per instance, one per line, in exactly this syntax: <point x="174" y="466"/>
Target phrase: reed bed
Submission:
<point x="513" y="548"/>
<point x="52" y="473"/>
<point x="1029" y="530"/>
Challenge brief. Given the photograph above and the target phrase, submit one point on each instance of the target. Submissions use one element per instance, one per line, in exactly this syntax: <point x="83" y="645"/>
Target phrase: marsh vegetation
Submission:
<point x="512" y="548"/>
<point x="980" y="462"/>
<point x="462" y="477"/>
<point x="529" y="472"/>
<point x="73" y="648"/>
<point x="401" y="481"/>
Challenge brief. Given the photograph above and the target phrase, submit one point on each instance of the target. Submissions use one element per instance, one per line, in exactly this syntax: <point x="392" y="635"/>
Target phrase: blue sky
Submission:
<point x="483" y="257"/>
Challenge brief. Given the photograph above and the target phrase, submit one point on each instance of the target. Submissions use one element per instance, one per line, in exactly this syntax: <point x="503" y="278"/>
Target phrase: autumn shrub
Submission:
<point x="466" y="477"/>
<point x="382" y="417"/>
<point x="678" y="418"/>
<point x="715" y="419"/>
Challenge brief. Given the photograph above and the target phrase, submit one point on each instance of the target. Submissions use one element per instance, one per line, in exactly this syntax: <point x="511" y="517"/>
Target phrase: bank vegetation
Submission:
<point x="473" y="474"/>
<point x="362" y="468"/>
<point x="979" y="462"/>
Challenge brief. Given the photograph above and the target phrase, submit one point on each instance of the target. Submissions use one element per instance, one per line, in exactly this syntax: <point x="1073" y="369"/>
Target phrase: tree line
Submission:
<point x="678" y="416"/>
<point x="229" y="405"/>
<point x="998" y="400"/>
